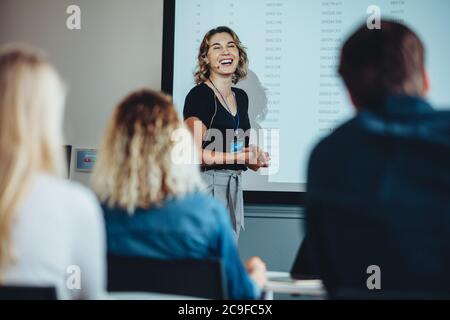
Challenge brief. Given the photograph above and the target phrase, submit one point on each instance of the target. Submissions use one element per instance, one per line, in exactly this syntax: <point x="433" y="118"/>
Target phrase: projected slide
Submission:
<point x="293" y="48"/>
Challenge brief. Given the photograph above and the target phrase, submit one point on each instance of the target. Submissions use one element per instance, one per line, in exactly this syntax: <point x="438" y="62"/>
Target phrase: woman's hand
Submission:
<point x="255" y="158"/>
<point x="256" y="269"/>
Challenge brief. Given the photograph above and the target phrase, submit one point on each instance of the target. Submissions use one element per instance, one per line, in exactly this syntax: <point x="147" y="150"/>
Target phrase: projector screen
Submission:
<point x="293" y="47"/>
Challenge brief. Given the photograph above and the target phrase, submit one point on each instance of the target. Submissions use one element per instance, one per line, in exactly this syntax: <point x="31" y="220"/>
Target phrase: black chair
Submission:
<point x="27" y="293"/>
<point x="193" y="278"/>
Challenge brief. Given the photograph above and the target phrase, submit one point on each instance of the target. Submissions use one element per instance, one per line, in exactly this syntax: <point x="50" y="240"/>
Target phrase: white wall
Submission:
<point x="118" y="49"/>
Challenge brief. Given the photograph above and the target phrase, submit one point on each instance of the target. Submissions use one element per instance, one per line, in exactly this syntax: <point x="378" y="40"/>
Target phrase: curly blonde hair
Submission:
<point x="203" y="71"/>
<point x="135" y="168"/>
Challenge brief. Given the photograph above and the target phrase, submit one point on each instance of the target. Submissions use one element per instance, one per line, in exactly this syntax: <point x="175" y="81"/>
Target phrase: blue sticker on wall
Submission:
<point x="86" y="159"/>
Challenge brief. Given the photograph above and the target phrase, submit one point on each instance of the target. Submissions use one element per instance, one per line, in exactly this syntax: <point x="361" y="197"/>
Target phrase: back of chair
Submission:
<point x="194" y="278"/>
<point x="27" y="293"/>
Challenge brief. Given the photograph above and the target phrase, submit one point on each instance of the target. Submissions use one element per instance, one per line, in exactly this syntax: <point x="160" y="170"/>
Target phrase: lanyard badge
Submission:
<point x="237" y="145"/>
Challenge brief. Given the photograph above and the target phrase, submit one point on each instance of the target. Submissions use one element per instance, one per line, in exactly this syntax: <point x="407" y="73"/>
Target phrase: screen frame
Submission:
<point x="250" y="197"/>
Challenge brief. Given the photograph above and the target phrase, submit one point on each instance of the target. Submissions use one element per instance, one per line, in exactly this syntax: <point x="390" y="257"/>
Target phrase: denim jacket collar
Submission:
<point x="402" y="105"/>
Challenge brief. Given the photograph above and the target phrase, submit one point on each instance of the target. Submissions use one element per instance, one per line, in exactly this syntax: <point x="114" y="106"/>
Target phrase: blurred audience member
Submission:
<point x="51" y="231"/>
<point x="379" y="186"/>
<point x="150" y="193"/>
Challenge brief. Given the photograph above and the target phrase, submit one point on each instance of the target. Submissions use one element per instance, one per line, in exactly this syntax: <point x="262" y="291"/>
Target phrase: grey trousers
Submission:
<point x="226" y="186"/>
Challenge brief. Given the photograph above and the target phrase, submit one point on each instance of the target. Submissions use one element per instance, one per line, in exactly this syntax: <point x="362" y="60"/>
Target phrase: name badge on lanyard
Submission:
<point x="237" y="145"/>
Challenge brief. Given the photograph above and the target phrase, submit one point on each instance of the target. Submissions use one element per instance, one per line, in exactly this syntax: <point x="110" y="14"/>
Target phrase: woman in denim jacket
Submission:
<point x="148" y="181"/>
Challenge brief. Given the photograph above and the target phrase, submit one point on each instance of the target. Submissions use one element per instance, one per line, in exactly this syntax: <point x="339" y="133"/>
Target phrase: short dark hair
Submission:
<point x="380" y="62"/>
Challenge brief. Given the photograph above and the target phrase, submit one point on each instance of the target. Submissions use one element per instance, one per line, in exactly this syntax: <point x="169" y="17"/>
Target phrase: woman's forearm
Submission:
<point x="216" y="158"/>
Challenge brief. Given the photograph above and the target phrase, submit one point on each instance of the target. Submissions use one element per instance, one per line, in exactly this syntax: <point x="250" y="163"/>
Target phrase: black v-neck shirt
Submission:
<point x="201" y="103"/>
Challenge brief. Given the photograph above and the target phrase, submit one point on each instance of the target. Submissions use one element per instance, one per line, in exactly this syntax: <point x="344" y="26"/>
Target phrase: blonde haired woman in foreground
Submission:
<point x="49" y="228"/>
<point x="151" y="199"/>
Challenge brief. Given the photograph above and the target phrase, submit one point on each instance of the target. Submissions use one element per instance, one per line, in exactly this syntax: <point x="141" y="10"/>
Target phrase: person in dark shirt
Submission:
<point x="377" y="210"/>
<point x="217" y="115"/>
<point x="152" y="202"/>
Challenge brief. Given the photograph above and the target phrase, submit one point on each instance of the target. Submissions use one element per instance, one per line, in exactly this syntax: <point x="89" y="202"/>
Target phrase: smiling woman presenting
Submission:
<point x="217" y="115"/>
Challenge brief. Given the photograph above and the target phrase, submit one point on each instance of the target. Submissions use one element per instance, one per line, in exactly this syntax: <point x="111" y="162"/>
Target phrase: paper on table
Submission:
<point x="282" y="283"/>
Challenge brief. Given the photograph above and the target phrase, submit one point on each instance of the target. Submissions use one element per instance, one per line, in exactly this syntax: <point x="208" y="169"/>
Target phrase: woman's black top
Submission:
<point x="201" y="102"/>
